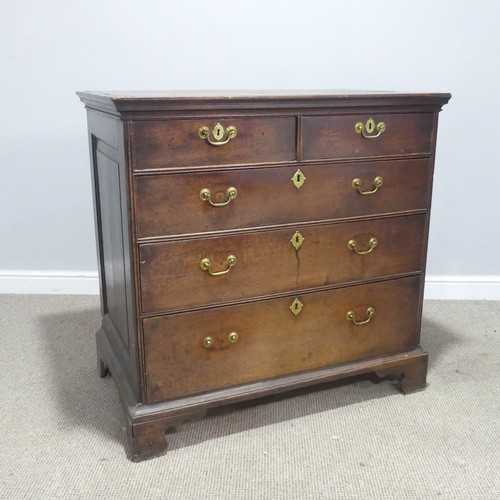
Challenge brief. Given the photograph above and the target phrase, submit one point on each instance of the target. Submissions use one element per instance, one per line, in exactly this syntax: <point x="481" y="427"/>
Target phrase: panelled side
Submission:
<point x="113" y="234"/>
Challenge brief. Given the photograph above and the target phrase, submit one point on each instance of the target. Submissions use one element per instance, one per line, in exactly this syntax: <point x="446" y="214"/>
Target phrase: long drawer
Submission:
<point x="178" y="274"/>
<point x="177" y="143"/>
<point x="356" y="136"/>
<point x="190" y="353"/>
<point x="179" y="203"/>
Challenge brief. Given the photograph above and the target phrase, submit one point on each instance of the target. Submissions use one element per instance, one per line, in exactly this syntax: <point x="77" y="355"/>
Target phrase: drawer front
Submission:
<point x="177" y="143"/>
<point x="270" y="262"/>
<point x="272" y="341"/>
<point x="326" y="137"/>
<point x="171" y="204"/>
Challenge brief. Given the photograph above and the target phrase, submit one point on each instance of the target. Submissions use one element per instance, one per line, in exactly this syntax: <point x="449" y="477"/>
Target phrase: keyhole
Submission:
<point x="298" y="179"/>
<point x="296" y="307"/>
<point x="218" y="131"/>
<point x="370" y="126"/>
<point x="296" y="239"/>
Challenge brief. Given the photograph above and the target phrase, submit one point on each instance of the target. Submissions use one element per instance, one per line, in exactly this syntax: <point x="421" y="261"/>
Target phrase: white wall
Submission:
<point x="50" y="49"/>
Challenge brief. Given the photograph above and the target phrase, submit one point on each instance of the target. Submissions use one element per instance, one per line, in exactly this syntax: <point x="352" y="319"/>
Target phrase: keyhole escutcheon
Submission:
<point x="298" y="179"/>
<point x="297" y="240"/>
<point x="296" y="307"/>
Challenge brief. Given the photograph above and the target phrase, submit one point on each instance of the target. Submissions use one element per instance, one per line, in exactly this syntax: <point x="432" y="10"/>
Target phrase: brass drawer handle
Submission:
<point x="367" y="129"/>
<point x="209" y="342"/>
<point x="218" y="133"/>
<point x="205" y="264"/>
<point x="231" y="194"/>
<point x="377" y="182"/>
<point x="370" y="312"/>
<point x="353" y="245"/>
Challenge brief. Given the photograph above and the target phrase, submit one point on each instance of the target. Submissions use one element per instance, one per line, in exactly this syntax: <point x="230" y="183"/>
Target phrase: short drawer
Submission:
<point x="191" y="353"/>
<point x="177" y="274"/>
<point x="177" y="143"/>
<point x="173" y="204"/>
<point x="356" y="136"/>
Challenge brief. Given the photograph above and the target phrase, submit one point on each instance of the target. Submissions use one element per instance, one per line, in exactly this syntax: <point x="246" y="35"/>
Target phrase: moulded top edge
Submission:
<point x="147" y="100"/>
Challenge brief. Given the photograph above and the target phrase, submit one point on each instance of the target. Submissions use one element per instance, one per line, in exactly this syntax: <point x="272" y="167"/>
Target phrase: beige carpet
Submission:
<point x="62" y="426"/>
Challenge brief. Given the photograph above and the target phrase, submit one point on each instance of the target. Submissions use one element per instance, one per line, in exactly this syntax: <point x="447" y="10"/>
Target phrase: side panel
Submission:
<point x="112" y="219"/>
<point x="111" y="216"/>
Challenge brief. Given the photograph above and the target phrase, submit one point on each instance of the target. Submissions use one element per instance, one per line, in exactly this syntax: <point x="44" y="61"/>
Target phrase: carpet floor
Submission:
<point x="63" y="427"/>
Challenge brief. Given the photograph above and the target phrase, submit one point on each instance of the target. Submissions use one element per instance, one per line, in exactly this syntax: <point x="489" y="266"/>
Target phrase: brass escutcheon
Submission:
<point x="296" y="307"/>
<point x="297" y="240"/>
<point x="298" y="179"/>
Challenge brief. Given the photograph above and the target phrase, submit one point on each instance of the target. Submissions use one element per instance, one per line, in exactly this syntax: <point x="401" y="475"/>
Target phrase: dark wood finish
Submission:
<point x="149" y="440"/>
<point x="176" y="143"/>
<point x="171" y="277"/>
<point x="111" y="183"/>
<point x="328" y="137"/>
<point x="135" y="105"/>
<point x="171" y="205"/>
<point x="412" y="378"/>
<point x="149" y="166"/>
<point x="109" y="180"/>
<point x="273" y="341"/>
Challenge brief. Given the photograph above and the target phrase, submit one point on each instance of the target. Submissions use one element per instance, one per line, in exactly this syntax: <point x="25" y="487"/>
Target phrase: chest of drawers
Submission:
<point x="250" y="244"/>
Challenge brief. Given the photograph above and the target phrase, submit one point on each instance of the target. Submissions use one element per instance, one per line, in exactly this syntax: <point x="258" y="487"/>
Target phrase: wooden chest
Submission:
<point x="249" y="244"/>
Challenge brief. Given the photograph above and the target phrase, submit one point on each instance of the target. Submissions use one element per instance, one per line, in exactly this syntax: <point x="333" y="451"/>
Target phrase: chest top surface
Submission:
<point x="119" y="102"/>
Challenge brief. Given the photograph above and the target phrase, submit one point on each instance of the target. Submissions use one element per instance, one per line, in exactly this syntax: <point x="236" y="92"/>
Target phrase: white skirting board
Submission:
<point x="49" y="282"/>
<point x="437" y="287"/>
<point x="462" y="287"/>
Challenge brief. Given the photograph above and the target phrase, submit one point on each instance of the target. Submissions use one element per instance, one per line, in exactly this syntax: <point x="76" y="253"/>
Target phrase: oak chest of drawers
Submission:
<point x="251" y="244"/>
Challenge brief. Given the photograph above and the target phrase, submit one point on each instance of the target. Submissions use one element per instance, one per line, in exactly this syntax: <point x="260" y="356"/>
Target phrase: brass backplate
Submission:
<point x="296" y="307"/>
<point x="297" y="240"/>
<point x="298" y="179"/>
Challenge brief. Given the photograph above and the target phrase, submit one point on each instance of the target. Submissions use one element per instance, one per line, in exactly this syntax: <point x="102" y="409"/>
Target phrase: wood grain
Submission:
<point x="335" y="137"/>
<point x="171" y="205"/>
<point x="161" y="144"/>
<point x="272" y="341"/>
<point x="171" y="277"/>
